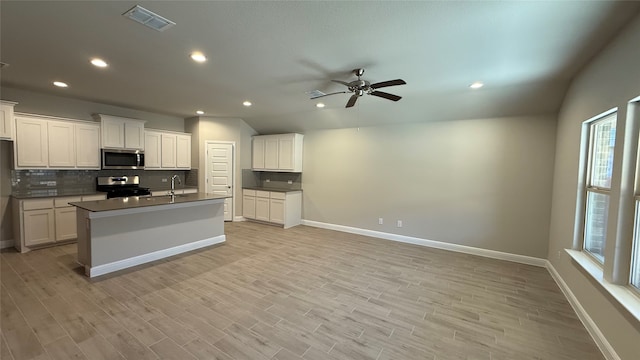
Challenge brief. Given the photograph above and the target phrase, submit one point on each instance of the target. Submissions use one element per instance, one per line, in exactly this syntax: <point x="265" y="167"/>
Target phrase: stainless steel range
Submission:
<point x="121" y="186"/>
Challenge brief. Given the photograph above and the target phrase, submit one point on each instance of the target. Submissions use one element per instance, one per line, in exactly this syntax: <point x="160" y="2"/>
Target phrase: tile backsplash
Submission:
<point x="274" y="180"/>
<point x="49" y="182"/>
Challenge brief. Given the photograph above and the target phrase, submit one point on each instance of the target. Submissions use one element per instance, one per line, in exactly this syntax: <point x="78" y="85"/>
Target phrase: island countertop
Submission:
<point x="143" y="201"/>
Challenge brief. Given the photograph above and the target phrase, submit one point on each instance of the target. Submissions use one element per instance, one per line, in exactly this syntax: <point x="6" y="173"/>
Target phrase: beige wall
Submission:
<point x="45" y="104"/>
<point x="610" y="80"/>
<point x="484" y="183"/>
<point x="221" y="129"/>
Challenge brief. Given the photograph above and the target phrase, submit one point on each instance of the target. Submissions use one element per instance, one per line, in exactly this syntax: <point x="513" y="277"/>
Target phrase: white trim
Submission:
<point x="623" y="294"/>
<point x="153" y="256"/>
<point x="239" y="218"/>
<point x="602" y="343"/>
<point x="523" y="259"/>
<point x="6" y="243"/>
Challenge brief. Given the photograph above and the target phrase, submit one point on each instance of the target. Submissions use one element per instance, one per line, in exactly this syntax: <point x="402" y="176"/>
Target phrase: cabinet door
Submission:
<point x="257" y="160"/>
<point x="6" y="121"/>
<point x="88" y="146"/>
<point x="276" y="211"/>
<point x="262" y="209"/>
<point x="134" y="135"/>
<point x="168" y="151"/>
<point x="271" y="153"/>
<point x="30" y="147"/>
<point x="112" y="133"/>
<point x="183" y="151"/>
<point x="38" y="227"/>
<point x="152" y="153"/>
<point x="286" y="152"/>
<point x="61" y="139"/>
<point x="249" y="207"/>
<point x="66" y="223"/>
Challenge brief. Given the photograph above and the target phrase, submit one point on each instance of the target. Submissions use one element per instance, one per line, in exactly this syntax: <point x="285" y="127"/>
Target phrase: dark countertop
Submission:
<point x="53" y="193"/>
<point x="143" y="201"/>
<point x="169" y="188"/>
<point x="270" y="189"/>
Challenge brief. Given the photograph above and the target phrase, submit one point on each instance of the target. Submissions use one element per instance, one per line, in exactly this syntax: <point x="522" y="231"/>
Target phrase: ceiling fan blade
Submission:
<point x="386" y="95"/>
<point x="333" y="93"/>
<point x="341" y="82"/>
<point x="352" y="100"/>
<point x="388" y="83"/>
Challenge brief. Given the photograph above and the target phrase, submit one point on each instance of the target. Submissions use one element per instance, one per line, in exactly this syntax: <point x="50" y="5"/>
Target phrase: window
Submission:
<point x="634" y="278"/>
<point x="602" y="137"/>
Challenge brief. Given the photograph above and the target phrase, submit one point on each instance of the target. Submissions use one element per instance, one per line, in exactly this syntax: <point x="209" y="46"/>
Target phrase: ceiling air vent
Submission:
<point x="148" y="18"/>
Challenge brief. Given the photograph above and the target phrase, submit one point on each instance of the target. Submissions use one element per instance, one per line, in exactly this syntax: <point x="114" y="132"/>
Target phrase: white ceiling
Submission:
<point x="271" y="53"/>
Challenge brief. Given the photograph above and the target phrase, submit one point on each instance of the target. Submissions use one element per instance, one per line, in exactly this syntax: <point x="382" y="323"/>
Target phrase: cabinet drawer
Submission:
<point x="247" y="192"/>
<point x="278" y="195"/>
<point x="64" y="201"/>
<point x="37" y="204"/>
<point x="94" y="197"/>
<point x="262" y="194"/>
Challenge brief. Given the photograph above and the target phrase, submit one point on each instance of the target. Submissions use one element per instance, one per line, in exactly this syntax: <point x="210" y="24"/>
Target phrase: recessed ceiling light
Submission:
<point x="60" y="84"/>
<point x="199" y="112"/>
<point x="197" y="56"/>
<point x="320" y="105"/>
<point x="247" y="103"/>
<point x="476" y="85"/>
<point x="99" y="62"/>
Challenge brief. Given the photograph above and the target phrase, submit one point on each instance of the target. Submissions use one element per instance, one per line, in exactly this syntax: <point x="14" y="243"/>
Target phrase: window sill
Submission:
<point x="623" y="294"/>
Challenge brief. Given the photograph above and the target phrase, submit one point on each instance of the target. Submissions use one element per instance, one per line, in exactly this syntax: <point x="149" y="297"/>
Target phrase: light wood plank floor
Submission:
<point x="301" y="293"/>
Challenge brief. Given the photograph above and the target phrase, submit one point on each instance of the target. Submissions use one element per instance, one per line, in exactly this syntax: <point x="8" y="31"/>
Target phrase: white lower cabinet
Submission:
<point x="46" y="221"/>
<point x="283" y="208"/>
<point x="39" y="227"/>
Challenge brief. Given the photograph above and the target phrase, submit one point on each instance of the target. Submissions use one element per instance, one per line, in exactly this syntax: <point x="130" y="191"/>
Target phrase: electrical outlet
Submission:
<point x="559" y="253"/>
<point x="289" y="182"/>
<point x="399" y="223"/>
<point x="165" y="180"/>
<point x="380" y="221"/>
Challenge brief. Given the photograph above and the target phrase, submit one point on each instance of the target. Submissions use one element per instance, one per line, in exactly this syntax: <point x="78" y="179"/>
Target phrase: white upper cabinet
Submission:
<point x="183" y="151"/>
<point x="54" y="143"/>
<point x="257" y="160"/>
<point x="134" y="134"/>
<point x="121" y="133"/>
<point x="30" y="148"/>
<point x="167" y="150"/>
<point x="7" y="122"/>
<point x="61" y="143"/>
<point x="87" y="146"/>
<point x="152" y="149"/>
<point x="281" y="152"/>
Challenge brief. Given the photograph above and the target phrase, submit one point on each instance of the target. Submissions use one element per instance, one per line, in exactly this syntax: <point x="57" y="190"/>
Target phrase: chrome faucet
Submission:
<point x="173" y="184"/>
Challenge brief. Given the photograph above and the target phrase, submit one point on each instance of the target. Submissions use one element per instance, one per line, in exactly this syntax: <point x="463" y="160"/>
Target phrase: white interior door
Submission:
<point x="220" y="173"/>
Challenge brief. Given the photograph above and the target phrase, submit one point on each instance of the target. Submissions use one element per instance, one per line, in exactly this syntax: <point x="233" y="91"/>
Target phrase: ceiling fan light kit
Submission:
<point x="360" y="87"/>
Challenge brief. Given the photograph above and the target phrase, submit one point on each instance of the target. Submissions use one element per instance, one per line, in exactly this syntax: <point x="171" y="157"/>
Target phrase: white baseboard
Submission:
<point x="6" y="244"/>
<point x="156" y="255"/>
<point x="523" y="259"/>
<point x="239" y="218"/>
<point x="602" y="343"/>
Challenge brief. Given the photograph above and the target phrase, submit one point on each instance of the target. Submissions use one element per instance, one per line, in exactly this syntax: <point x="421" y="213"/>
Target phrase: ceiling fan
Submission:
<point x="360" y="87"/>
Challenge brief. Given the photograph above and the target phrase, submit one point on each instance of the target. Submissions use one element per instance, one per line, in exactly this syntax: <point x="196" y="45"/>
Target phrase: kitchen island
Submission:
<point x="119" y="233"/>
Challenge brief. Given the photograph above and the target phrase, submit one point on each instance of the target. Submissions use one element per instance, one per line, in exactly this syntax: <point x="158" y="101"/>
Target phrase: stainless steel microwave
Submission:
<point x="122" y="159"/>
